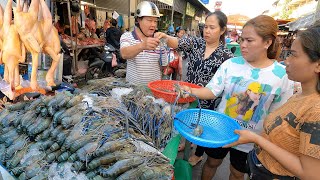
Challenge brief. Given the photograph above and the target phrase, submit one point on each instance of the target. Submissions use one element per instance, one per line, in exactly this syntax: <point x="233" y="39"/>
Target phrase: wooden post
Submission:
<point x="74" y="62"/>
<point x="129" y="14"/>
<point x="172" y="13"/>
<point x="317" y="13"/>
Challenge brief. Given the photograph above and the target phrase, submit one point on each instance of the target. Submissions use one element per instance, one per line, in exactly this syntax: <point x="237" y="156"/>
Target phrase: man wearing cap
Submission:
<point x="145" y="54"/>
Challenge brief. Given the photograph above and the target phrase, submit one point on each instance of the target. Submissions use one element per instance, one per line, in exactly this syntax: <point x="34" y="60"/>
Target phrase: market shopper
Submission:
<point x="200" y="29"/>
<point x="106" y="25"/>
<point x="205" y="57"/>
<point x="91" y="53"/>
<point x="90" y="28"/>
<point x="113" y="34"/>
<point x="289" y="146"/>
<point x="252" y="86"/>
<point x="174" y="67"/>
<point x="180" y="32"/>
<point x="144" y="56"/>
<point x="182" y="67"/>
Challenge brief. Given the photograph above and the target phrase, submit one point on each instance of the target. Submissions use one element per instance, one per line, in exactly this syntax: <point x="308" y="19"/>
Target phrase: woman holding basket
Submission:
<point x="251" y="87"/>
<point x="205" y="55"/>
<point x="289" y="147"/>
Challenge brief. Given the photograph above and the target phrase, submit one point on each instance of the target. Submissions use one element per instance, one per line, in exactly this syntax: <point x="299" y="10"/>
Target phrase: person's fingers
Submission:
<point x="156" y="40"/>
<point x="153" y="44"/>
<point x="144" y="44"/>
<point x="185" y="91"/>
<point x="237" y="131"/>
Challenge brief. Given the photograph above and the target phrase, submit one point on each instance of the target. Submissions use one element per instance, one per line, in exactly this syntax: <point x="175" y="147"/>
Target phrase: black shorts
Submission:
<point x="259" y="172"/>
<point x="238" y="159"/>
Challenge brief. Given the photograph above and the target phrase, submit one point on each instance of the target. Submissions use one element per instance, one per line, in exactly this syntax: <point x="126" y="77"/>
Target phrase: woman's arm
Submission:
<point x="201" y="93"/>
<point x="304" y="167"/>
<point x="171" y="41"/>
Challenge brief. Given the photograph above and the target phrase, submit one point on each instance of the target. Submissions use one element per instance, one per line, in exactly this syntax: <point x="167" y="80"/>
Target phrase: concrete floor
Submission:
<point x="222" y="172"/>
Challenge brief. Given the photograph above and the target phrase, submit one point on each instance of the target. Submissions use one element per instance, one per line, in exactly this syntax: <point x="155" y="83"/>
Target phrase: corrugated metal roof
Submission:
<point x="198" y="4"/>
<point x="303" y="22"/>
<point x="121" y="6"/>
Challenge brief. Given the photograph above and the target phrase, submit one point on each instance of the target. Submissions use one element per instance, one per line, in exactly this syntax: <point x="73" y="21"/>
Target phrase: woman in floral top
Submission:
<point x="205" y="57"/>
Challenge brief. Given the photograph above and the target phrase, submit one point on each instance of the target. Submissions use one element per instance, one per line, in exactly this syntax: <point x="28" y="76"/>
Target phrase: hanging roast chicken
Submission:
<point x="38" y="36"/>
<point x="12" y="48"/>
<point x="51" y="45"/>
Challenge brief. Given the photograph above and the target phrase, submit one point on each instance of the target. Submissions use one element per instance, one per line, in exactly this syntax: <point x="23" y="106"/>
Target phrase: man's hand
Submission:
<point x="186" y="91"/>
<point x="150" y="43"/>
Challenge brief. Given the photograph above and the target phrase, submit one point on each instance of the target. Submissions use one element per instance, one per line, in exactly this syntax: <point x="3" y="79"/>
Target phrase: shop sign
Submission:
<point x="101" y="17"/>
<point x="190" y="10"/>
<point x="169" y="2"/>
<point x="217" y="5"/>
<point x="205" y="1"/>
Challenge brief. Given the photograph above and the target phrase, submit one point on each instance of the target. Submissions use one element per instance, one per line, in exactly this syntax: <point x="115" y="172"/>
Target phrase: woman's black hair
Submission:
<point x="114" y="22"/>
<point x="311" y="44"/>
<point x="223" y="20"/>
<point x="178" y="29"/>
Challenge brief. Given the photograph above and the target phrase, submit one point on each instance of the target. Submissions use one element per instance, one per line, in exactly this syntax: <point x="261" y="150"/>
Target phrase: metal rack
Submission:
<point x="73" y="45"/>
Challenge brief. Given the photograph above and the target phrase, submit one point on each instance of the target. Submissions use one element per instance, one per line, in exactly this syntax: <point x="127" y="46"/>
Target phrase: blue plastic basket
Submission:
<point x="218" y="129"/>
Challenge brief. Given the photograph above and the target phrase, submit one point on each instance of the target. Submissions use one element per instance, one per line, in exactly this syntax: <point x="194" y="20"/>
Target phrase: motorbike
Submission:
<point x="102" y="67"/>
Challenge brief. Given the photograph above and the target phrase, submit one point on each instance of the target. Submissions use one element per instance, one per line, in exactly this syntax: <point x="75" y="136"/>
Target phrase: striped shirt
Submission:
<point x="145" y="67"/>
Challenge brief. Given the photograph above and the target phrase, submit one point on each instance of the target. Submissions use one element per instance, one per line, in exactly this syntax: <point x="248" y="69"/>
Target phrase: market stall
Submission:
<point x="108" y="129"/>
<point x="77" y="33"/>
<point x="78" y="45"/>
<point x="72" y="135"/>
<point x="29" y="30"/>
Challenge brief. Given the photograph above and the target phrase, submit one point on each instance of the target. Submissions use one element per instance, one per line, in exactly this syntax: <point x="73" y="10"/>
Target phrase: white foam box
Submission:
<point x="4" y="174"/>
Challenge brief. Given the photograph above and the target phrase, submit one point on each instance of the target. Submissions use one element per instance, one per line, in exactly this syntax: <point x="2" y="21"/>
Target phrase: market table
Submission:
<point x="183" y="169"/>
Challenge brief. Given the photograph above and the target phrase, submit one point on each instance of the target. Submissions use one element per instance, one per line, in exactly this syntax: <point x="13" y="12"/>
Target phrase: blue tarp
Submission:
<point x="120" y="21"/>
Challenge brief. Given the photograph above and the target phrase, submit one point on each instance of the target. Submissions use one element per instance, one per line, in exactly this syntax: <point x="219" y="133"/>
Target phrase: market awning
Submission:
<point x="302" y="22"/>
<point x="237" y="19"/>
<point x="199" y="4"/>
<point x="283" y="21"/>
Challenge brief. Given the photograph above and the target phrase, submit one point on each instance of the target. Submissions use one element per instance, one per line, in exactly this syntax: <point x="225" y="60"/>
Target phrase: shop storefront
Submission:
<point x="165" y="7"/>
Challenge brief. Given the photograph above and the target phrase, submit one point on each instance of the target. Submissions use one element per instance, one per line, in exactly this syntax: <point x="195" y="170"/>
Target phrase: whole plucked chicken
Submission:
<point x="6" y="77"/>
<point x="32" y="37"/>
<point x="12" y="48"/>
<point x="51" y="45"/>
<point x="38" y="35"/>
